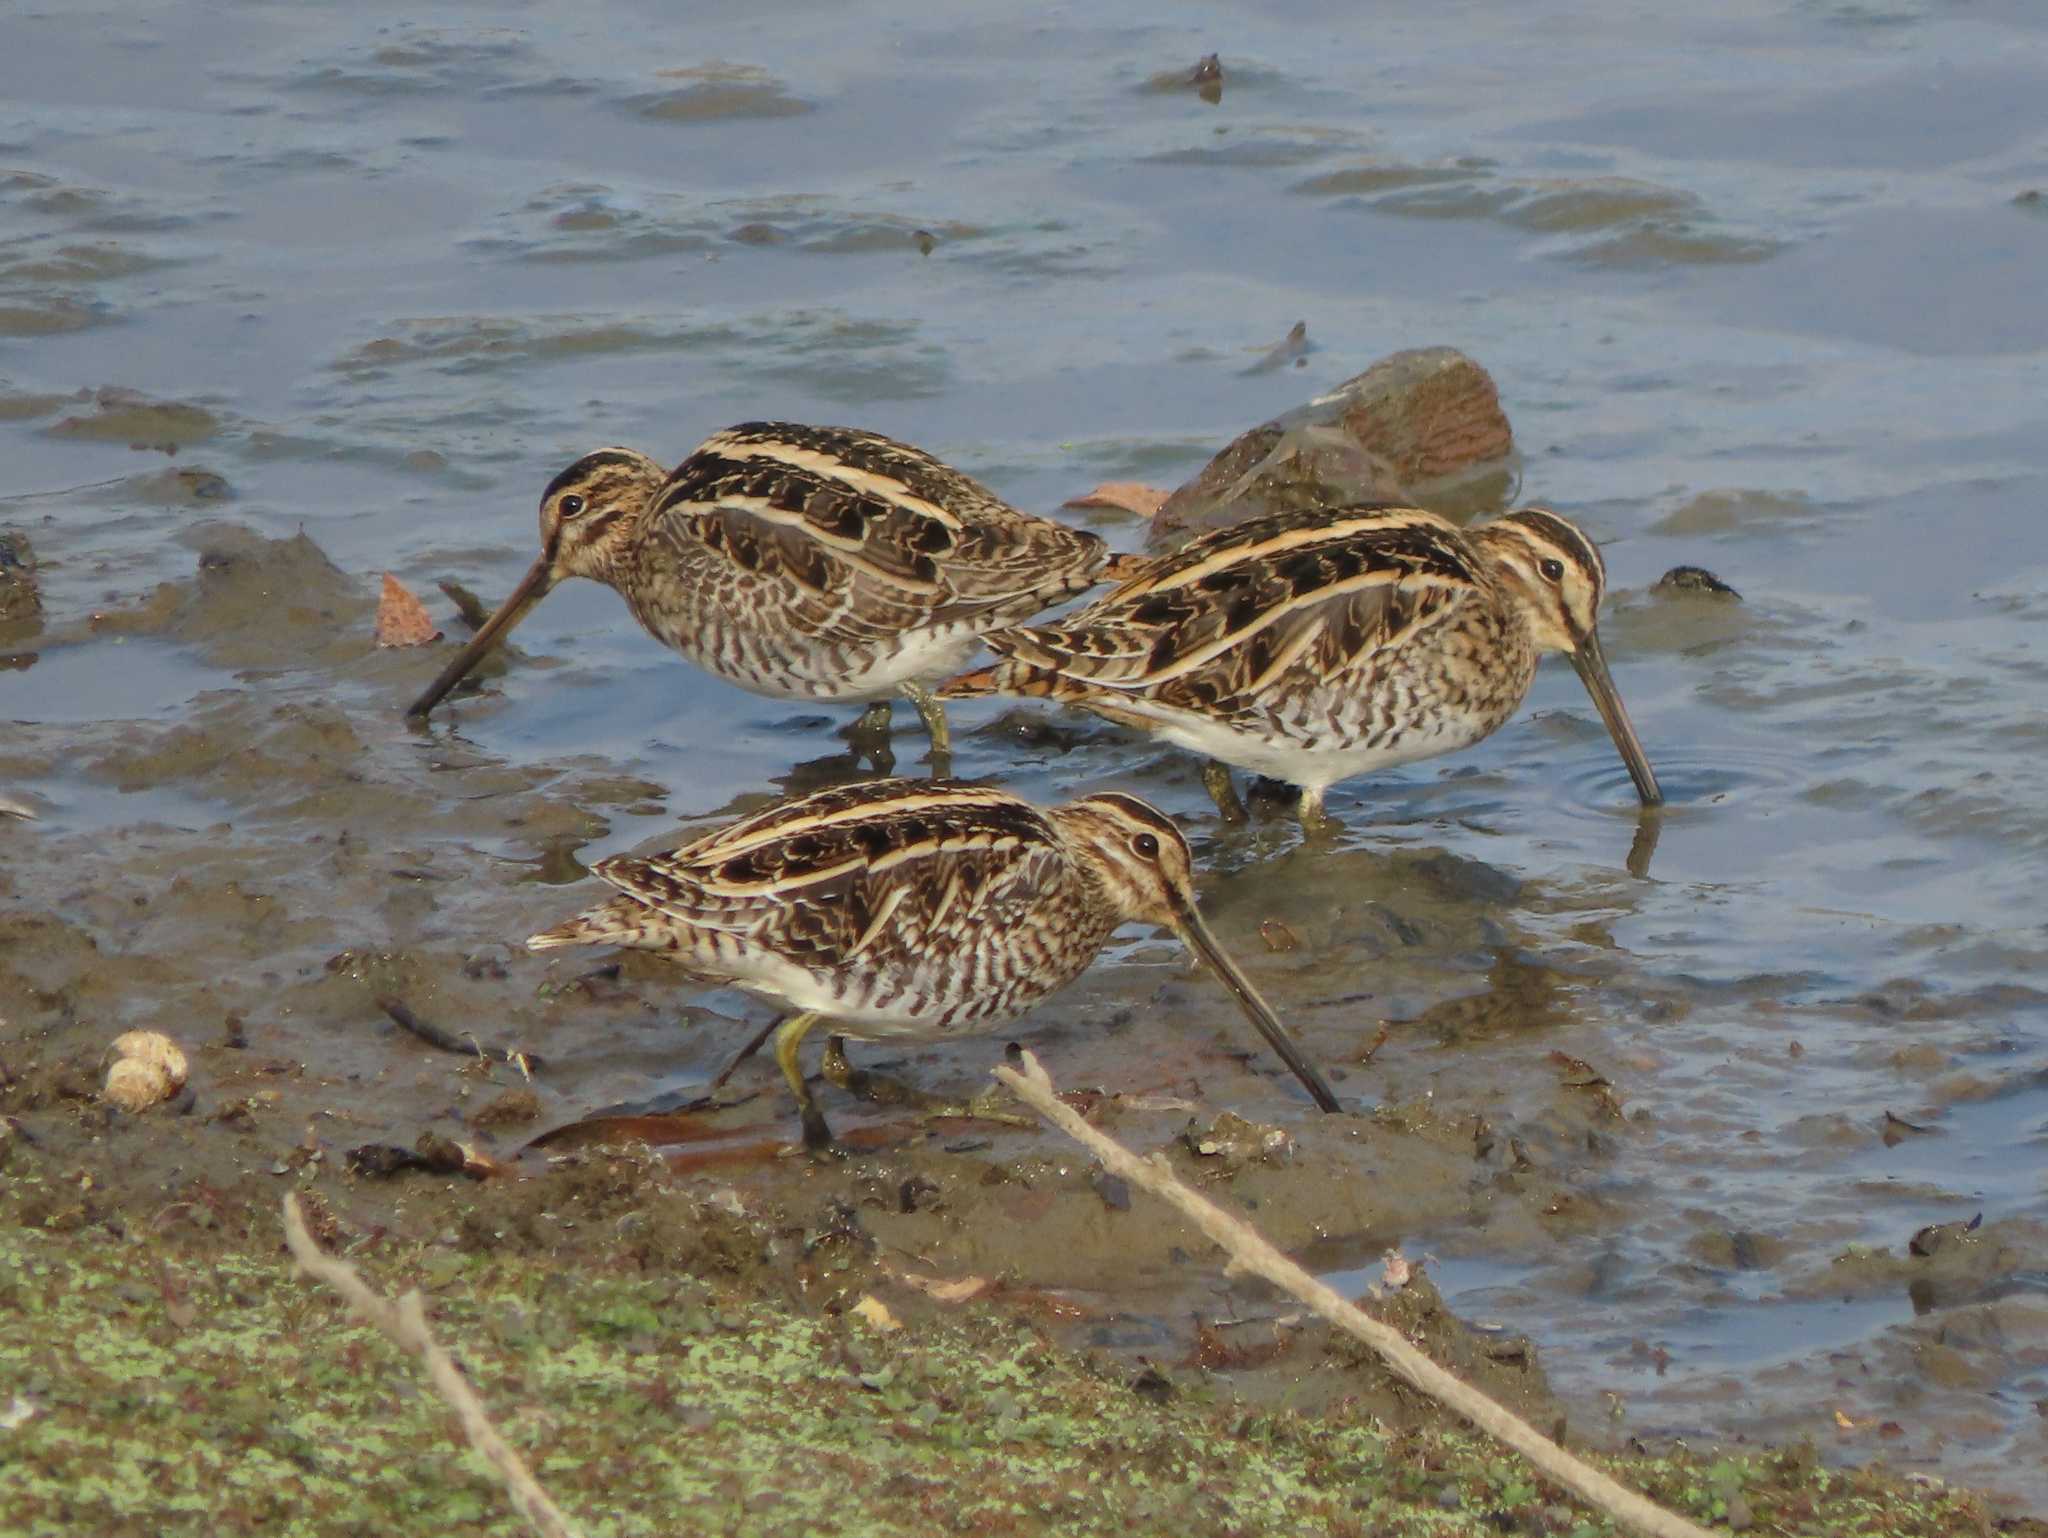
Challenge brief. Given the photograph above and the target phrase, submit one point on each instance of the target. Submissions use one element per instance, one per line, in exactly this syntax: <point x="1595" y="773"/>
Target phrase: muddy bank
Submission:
<point x="1749" y="284"/>
<point x="675" y="1357"/>
<point x="281" y="854"/>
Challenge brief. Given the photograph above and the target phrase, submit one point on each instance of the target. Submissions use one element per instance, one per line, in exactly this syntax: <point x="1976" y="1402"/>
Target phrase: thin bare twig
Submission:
<point x="1251" y="1251"/>
<point x="405" y="1323"/>
<point x="466" y="1044"/>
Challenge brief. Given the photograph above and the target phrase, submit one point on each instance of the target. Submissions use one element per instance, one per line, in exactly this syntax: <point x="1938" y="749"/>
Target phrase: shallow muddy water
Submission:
<point x="290" y="297"/>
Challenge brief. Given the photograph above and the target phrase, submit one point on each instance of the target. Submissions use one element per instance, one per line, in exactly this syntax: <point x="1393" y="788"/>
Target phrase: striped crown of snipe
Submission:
<point x="590" y="514"/>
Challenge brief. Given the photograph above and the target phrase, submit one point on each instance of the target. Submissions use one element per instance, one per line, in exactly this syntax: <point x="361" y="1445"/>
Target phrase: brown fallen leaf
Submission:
<point x="876" y="1313"/>
<point x="942" y="1291"/>
<point x="1124" y="496"/>
<point x="402" y="620"/>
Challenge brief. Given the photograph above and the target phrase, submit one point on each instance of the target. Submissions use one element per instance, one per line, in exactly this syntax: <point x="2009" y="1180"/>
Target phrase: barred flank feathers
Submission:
<point x="1121" y="567"/>
<point x="975" y="682"/>
<point x="1015" y="676"/>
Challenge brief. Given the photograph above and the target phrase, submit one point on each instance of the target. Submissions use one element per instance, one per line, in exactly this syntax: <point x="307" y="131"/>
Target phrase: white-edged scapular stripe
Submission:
<point x="1334" y="532"/>
<point x="830" y="467"/>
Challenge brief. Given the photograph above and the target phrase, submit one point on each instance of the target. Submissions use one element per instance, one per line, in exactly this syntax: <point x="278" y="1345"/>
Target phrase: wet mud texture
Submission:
<point x="1746" y="284"/>
<point x="318" y="860"/>
<point x="340" y="858"/>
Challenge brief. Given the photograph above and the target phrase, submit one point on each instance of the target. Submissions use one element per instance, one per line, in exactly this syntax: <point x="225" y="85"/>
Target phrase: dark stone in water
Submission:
<point x="1464" y="879"/>
<point x="21" y="599"/>
<point x="202" y="485"/>
<point x="1423" y="426"/>
<point x="1694" y="579"/>
<point x="1205" y="79"/>
<point x="1935" y="1236"/>
<point x="1292" y="348"/>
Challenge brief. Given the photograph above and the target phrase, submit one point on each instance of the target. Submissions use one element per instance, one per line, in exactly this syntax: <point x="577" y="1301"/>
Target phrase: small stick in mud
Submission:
<point x="404" y="1323"/>
<point x="468" y="607"/>
<point x="760" y="1038"/>
<point x="1250" y="1251"/>
<point x="528" y="1063"/>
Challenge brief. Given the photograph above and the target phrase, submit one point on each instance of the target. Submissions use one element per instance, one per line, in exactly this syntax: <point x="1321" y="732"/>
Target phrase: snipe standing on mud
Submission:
<point x="911" y="909"/>
<point x="1313" y="646"/>
<point x="817" y="563"/>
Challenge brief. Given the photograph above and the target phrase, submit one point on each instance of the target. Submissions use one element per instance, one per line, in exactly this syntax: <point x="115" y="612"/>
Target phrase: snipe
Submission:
<point x="815" y="563"/>
<point x="912" y="909"/>
<point x="1313" y="646"/>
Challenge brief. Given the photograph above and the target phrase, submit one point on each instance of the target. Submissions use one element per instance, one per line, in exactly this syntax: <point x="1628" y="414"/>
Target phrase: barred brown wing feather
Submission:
<point x="863" y="520"/>
<point x="1013" y="559"/>
<point x="785" y="523"/>
<point x="1241" y="606"/>
<point x="822" y="880"/>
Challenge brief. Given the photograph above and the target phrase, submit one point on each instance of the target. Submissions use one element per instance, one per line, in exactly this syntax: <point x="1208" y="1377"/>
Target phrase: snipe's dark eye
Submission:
<point x="570" y="505"/>
<point x="1146" y="846"/>
<point x="1552" y="569"/>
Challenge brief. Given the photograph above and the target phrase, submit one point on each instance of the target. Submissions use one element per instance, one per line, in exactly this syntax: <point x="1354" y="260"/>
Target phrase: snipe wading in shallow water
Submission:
<point x="815" y="563"/>
<point x="912" y="909"/>
<point x="1313" y="646"/>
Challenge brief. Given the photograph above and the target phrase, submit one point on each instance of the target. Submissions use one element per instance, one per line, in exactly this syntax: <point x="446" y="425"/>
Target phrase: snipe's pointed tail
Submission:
<point x="622" y="921"/>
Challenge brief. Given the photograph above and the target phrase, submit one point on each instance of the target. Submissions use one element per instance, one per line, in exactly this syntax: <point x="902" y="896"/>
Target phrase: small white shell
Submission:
<point x="153" y="1047"/>
<point x="134" y="1085"/>
<point x="148" y="1068"/>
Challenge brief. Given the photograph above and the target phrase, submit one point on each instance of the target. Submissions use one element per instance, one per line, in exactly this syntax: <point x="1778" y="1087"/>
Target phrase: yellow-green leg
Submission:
<point x="760" y="1040"/>
<point x="933" y="710"/>
<point x="1216" y="781"/>
<point x="876" y="1087"/>
<point x="1315" y="822"/>
<point x="869" y="737"/>
<point x="788" y="1037"/>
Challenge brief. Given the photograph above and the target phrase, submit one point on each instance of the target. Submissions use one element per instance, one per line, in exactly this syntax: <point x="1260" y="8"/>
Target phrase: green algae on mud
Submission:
<point x="173" y="1375"/>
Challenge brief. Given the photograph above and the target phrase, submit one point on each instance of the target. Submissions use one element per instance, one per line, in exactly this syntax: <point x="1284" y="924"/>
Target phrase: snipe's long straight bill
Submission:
<point x="1195" y="935"/>
<point x="533" y="587"/>
<point x="1591" y="663"/>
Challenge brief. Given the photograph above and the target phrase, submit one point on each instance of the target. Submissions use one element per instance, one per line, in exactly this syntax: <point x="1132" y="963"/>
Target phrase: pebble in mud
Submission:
<point x="1422" y="425"/>
<point x="1694" y="579"/>
<point x="1205" y="79"/>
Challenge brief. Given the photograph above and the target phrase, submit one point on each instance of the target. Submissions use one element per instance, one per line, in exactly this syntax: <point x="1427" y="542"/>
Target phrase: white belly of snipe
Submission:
<point x="806" y="670"/>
